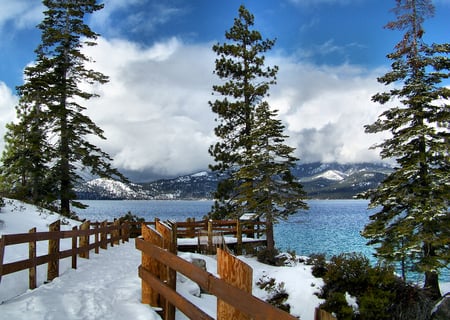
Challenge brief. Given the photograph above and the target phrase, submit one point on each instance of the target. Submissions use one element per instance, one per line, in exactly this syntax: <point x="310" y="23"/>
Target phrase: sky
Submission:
<point x="158" y="54"/>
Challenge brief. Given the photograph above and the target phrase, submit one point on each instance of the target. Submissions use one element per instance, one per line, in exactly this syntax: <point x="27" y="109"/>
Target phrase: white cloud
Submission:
<point x="155" y="109"/>
<point x="156" y="116"/>
<point x="22" y="13"/>
<point x="7" y="111"/>
<point x="325" y="110"/>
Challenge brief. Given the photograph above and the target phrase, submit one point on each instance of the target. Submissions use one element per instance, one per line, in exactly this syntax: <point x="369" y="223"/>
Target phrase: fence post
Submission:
<point x="2" y="253"/>
<point x="115" y="233"/>
<point x="103" y="235"/>
<point x="239" y="237"/>
<point x="84" y="240"/>
<point x="32" y="256"/>
<point x="238" y="274"/>
<point x="210" y="236"/>
<point x="97" y="237"/>
<point x="74" y="247"/>
<point x="150" y="296"/>
<point x="53" y="251"/>
<point x="167" y="273"/>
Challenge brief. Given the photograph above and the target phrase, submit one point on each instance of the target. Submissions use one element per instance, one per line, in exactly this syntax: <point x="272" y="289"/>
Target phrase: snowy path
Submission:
<point x="106" y="286"/>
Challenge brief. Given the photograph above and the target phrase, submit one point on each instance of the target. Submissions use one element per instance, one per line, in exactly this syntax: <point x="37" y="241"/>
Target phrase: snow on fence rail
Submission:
<point x="103" y="234"/>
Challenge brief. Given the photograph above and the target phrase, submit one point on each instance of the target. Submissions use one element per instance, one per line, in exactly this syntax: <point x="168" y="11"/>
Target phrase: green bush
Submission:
<point x="379" y="293"/>
<point x="337" y="304"/>
<point x="277" y="293"/>
<point x="319" y="265"/>
<point x="135" y="230"/>
<point x="268" y="256"/>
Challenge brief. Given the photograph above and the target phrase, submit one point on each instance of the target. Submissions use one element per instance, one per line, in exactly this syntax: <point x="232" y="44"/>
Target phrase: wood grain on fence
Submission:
<point x="238" y="274"/>
<point x="53" y="251"/>
<point x="149" y="295"/>
<point x="244" y="301"/>
<point x="32" y="283"/>
<point x="323" y="315"/>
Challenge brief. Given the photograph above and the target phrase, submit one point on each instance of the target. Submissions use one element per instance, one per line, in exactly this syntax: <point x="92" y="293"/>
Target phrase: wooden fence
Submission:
<point x="103" y="234"/>
<point x="207" y="233"/>
<point x="323" y="315"/>
<point x="158" y="269"/>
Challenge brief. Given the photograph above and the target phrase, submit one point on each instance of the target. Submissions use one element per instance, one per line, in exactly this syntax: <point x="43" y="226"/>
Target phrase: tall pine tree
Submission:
<point x="413" y="222"/>
<point x="250" y="155"/>
<point x="53" y="92"/>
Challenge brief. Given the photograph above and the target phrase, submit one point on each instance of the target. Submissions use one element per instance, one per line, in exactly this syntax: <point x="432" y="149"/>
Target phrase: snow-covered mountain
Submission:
<point x="104" y="189"/>
<point x="322" y="181"/>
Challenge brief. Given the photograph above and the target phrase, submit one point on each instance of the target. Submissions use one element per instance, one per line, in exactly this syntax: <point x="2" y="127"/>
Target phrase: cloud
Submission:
<point x="7" y="111"/>
<point x="155" y="110"/>
<point x="21" y="13"/>
<point x="325" y="109"/>
<point x="156" y="116"/>
<point x="132" y="16"/>
<point x="157" y="121"/>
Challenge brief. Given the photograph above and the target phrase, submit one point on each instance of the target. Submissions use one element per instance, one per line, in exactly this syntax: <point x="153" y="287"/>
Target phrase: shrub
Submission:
<point x="337" y="304"/>
<point x="135" y="230"/>
<point x="268" y="256"/>
<point x="379" y="293"/>
<point x="319" y="264"/>
<point x="277" y="293"/>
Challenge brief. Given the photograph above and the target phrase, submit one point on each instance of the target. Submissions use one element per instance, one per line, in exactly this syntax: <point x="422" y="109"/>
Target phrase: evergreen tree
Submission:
<point x="413" y="223"/>
<point x="250" y="154"/>
<point x="53" y="90"/>
<point x="25" y="173"/>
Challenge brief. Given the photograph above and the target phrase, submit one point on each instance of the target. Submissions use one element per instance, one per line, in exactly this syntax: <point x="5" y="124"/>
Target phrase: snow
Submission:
<point x="107" y="286"/>
<point x="333" y="175"/>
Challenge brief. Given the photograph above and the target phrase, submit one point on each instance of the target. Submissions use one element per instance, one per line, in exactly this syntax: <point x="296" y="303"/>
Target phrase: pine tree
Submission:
<point x="53" y="90"/>
<point x="413" y="223"/>
<point x="250" y="155"/>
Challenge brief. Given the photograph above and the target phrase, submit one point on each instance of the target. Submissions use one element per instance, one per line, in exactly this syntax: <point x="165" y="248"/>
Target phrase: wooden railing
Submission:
<point x="102" y="235"/>
<point x="158" y="273"/>
<point x="235" y="227"/>
<point x="206" y="231"/>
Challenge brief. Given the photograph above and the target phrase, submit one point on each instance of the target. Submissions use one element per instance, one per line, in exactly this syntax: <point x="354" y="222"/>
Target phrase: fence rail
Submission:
<point x="103" y="233"/>
<point x="160" y="291"/>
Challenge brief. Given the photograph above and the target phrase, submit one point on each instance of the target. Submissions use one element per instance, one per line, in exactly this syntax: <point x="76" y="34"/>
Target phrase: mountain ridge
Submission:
<point x="320" y="181"/>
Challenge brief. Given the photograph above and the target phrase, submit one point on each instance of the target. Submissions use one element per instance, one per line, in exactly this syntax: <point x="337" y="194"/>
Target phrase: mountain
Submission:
<point x="105" y="189"/>
<point x="321" y="181"/>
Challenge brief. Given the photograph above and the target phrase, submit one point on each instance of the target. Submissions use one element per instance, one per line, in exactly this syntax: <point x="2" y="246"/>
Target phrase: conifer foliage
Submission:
<point x="413" y="224"/>
<point x="250" y="154"/>
<point x="48" y="147"/>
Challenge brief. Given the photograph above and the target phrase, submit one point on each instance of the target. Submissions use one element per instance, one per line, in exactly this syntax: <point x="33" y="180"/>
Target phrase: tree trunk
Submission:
<point x="431" y="285"/>
<point x="269" y="235"/>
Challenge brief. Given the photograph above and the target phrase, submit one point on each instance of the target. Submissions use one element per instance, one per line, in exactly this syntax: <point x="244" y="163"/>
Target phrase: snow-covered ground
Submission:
<point x="107" y="285"/>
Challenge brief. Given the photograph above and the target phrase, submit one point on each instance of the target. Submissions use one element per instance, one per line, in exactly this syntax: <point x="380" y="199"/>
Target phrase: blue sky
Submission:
<point x="158" y="55"/>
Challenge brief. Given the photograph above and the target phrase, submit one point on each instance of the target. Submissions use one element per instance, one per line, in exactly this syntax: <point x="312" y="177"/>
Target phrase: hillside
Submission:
<point x="321" y="181"/>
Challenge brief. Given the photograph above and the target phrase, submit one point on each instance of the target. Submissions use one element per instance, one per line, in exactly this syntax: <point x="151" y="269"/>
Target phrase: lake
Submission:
<point x="329" y="226"/>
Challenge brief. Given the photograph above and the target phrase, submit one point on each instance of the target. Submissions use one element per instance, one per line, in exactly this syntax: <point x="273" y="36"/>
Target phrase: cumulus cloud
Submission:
<point x="21" y="13"/>
<point x="157" y="121"/>
<point x="156" y="116"/>
<point x="155" y="109"/>
<point x="7" y="111"/>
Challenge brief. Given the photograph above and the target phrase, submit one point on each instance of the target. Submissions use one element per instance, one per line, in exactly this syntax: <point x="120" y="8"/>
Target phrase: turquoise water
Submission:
<point x="329" y="226"/>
